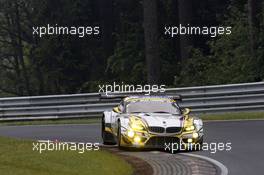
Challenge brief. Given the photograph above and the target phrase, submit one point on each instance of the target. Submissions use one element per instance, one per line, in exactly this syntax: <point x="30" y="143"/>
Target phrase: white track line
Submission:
<point x="224" y="170"/>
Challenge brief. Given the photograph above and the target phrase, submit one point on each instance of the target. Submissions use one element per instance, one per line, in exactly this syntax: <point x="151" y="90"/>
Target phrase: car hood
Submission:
<point x="162" y="120"/>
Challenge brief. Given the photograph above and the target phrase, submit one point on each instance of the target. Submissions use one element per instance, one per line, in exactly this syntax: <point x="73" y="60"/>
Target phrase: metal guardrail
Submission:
<point x="202" y="99"/>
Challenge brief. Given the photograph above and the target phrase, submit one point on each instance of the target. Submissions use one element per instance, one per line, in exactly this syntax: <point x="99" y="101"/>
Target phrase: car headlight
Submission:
<point x="130" y="133"/>
<point x="137" y="139"/>
<point x="195" y="135"/>
<point x="136" y="123"/>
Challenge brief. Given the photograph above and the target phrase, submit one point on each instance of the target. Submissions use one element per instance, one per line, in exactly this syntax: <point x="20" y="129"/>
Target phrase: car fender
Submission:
<point x="124" y="122"/>
<point x="107" y="116"/>
<point x="199" y="125"/>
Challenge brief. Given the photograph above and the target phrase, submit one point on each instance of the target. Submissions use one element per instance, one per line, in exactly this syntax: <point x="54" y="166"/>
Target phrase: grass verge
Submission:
<point x="234" y="116"/>
<point x="225" y="116"/>
<point x="46" y="122"/>
<point x="17" y="157"/>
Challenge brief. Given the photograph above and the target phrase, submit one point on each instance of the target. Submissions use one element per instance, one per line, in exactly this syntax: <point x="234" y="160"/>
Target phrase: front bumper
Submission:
<point x="160" y="141"/>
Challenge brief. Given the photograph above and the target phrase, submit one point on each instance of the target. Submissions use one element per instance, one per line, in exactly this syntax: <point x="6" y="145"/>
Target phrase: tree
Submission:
<point x="14" y="38"/>
<point x="185" y="18"/>
<point x="107" y="21"/>
<point x="151" y="40"/>
<point x="253" y="9"/>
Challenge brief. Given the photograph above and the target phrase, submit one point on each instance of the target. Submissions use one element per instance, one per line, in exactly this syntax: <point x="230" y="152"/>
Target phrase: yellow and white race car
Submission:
<point x="150" y="122"/>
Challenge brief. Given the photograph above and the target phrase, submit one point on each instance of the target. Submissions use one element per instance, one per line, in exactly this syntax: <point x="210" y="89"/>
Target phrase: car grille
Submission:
<point x="157" y="129"/>
<point x="159" y="142"/>
<point x="173" y="129"/>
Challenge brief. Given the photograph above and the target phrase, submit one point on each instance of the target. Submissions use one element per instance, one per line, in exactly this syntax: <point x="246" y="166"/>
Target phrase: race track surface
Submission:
<point x="246" y="137"/>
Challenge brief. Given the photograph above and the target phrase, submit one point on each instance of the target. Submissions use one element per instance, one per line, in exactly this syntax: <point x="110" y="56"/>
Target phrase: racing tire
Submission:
<point x="106" y="136"/>
<point x="119" y="136"/>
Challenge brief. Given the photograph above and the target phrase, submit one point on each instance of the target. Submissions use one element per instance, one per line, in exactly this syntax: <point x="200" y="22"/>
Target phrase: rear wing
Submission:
<point x="124" y="95"/>
<point x="119" y="95"/>
<point x="175" y="97"/>
<point x="112" y="96"/>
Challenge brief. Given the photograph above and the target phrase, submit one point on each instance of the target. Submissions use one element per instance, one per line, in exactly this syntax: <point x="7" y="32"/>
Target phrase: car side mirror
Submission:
<point x="117" y="109"/>
<point x="186" y="111"/>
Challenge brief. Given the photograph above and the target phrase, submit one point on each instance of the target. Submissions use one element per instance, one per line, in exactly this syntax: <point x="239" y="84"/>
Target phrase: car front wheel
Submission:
<point x="119" y="137"/>
<point x="108" y="138"/>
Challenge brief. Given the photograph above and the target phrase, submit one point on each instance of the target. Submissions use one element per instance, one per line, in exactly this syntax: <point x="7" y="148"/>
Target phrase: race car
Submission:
<point x="150" y="122"/>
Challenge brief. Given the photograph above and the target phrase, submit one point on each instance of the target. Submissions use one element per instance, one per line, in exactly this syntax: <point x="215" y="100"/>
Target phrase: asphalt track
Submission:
<point x="246" y="138"/>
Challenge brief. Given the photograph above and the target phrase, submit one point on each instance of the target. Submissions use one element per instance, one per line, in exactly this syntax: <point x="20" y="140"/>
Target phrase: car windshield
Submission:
<point x="152" y="107"/>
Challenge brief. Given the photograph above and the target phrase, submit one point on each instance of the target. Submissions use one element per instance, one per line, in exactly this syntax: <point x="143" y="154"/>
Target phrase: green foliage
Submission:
<point x="194" y="70"/>
<point x="54" y="64"/>
<point x="127" y="64"/>
<point x="127" y="61"/>
<point x="68" y="64"/>
<point x="229" y="60"/>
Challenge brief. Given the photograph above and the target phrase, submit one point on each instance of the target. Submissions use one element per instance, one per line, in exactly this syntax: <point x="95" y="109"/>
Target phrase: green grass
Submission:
<point x="234" y="116"/>
<point x="18" y="158"/>
<point x="46" y="122"/>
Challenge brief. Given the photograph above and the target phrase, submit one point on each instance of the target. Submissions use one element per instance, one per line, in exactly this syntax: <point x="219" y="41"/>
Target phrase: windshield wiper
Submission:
<point x="164" y="112"/>
<point x="161" y="112"/>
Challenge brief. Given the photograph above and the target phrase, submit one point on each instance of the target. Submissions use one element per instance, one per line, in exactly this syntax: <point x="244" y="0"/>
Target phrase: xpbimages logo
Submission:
<point x="212" y="31"/>
<point x="146" y="89"/>
<point x="80" y="31"/>
<point x="212" y="147"/>
<point x="47" y="145"/>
